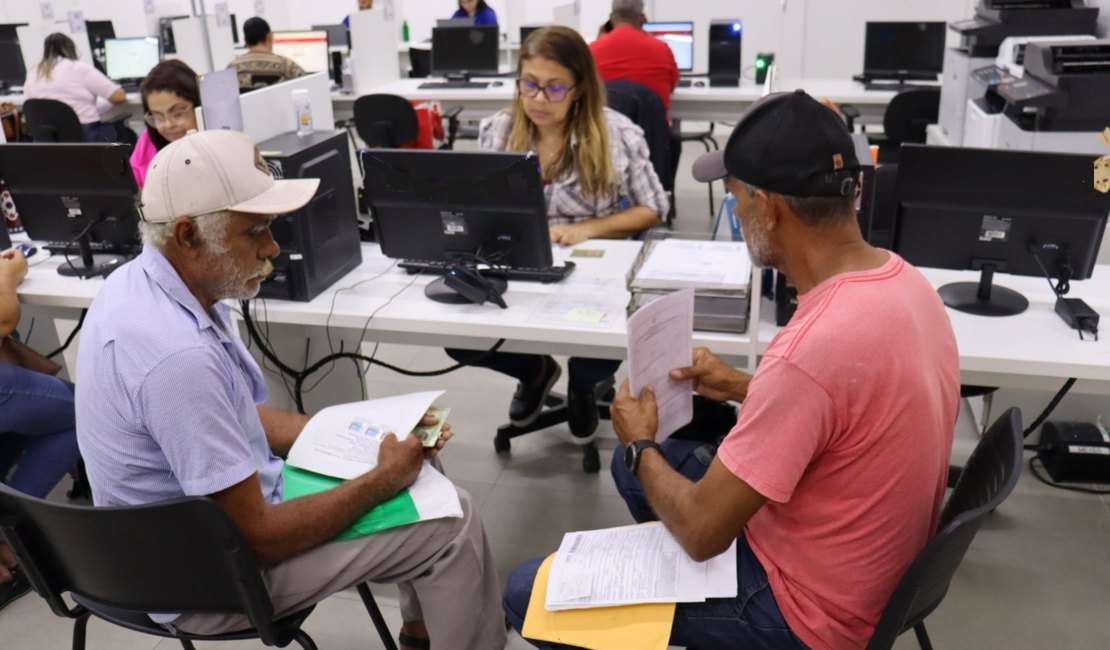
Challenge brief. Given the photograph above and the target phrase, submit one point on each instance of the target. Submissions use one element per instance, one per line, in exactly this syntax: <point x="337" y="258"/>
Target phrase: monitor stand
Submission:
<point x="983" y="298"/>
<point x="439" y="291"/>
<point x="91" y="265"/>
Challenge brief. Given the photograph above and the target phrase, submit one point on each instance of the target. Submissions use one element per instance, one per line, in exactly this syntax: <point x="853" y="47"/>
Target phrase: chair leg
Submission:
<point x="187" y="644"/>
<point x="922" y="637"/>
<point x="376" y="616"/>
<point x="79" y="626"/>
<point x="987" y="400"/>
<point x="306" y="641"/>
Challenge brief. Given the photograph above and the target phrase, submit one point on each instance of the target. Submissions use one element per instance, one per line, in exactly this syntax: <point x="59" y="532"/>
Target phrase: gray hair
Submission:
<point x="815" y="211"/>
<point x="212" y="228"/>
<point x="628" y="9"/>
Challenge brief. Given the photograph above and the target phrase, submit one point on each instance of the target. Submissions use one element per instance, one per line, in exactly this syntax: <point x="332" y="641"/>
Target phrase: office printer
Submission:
<point x="1062" y="102"/>
<point x="984" y="107"/>
<point x="982" y="35"/>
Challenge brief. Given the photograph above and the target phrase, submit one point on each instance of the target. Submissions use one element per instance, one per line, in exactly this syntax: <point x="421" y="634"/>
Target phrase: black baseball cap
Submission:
<point x="787" y="143"/>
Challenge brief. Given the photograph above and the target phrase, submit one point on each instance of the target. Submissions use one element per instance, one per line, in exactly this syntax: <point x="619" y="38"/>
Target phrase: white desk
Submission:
<point x="1031" y="350"/>
<point x="704" y="104"/>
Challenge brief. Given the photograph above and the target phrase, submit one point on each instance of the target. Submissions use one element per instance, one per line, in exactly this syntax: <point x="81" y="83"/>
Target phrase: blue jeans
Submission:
<point x="100" y="132"/>
<point x="751" y="620"/>
<point x="38" y="409"/>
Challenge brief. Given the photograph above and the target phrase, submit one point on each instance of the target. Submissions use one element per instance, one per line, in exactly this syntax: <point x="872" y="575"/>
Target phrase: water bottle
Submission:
<point x="303" y="107"/>
<point x="404" y="31"/>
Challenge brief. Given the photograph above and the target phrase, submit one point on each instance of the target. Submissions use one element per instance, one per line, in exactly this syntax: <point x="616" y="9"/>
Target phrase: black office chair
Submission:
<point x="420" y="63"/>
<point x="49" y="120"/>
<point x="706" y="139"/>
<point x="640" y="104"/>
<point x="988" y="478"/>
<point x="118" y="564"/>
<point x="389" y="121"/>
<point x="260" y="81"/>
<point x="905" y="120"/>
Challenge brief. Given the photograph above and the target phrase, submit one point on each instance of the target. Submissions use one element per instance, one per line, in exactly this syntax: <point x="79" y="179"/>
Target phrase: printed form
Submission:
<point x="660" y="339"/>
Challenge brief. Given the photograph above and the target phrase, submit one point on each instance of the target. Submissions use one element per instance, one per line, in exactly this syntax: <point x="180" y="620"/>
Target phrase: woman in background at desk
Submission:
<point x="37" y="420"/>
<point x="478" y="10"/>
<point x="598" y="184"/>
<point x="61" y="77"/>
<point x="170" y="96"/>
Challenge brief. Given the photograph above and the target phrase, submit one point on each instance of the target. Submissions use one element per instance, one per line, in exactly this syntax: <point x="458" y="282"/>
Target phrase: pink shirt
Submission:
<point x="847" y="430"/>
<point x="74" y="82"/>
<point x="142" y="155"/>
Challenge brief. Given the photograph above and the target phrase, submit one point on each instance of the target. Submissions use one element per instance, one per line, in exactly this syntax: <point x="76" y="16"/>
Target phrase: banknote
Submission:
<point x="430" y="434"/>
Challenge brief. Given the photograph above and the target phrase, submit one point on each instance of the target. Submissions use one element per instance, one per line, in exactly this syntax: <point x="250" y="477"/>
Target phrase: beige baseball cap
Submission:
<point x="210" y="171"/>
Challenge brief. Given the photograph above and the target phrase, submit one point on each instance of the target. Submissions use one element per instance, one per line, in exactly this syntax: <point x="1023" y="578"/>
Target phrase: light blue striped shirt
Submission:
<point x="166" y="399"/>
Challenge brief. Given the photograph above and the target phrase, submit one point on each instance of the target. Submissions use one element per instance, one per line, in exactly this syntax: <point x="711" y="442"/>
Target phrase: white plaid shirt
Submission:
<point x="637" y="183"/>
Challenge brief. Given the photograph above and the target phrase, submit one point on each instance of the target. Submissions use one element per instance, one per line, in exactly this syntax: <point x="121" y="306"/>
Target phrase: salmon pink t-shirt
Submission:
<point x="847" y="431"/>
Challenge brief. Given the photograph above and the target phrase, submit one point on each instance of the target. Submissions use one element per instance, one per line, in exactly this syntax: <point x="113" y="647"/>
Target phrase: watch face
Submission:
<point x="630" y="458"/>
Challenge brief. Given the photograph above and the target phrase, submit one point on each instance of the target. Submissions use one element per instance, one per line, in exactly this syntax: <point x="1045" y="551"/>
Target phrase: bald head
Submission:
<point x="629" y="10"/>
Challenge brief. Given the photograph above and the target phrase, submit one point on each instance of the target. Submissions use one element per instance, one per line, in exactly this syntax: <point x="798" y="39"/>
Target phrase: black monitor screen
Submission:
<point x="8" y="33"/>
<point x="442" y="205"/>
<point x="526" y="31"/>
<point x="12" y="71"/>
<point x="472" y="50"/>
<point x="64" y="191"/>
<point x="337" y="35"/>
<point x="165" y="33"/>
<point x="998" y="211"/>
<point x="904" y="50"/>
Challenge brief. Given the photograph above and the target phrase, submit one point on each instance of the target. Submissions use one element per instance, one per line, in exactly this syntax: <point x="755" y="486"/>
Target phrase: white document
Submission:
<point x="630" y="565"/>
<point x="720" y="575"/>
<point x="583" y="301"/>
<point x="660" y="339"/>
<point x="674" y="263"/>
<point x="342" y="441"/>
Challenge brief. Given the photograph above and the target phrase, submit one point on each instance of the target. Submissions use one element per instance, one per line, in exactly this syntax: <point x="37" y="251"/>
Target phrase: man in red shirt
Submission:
<point x="626" y="52"/>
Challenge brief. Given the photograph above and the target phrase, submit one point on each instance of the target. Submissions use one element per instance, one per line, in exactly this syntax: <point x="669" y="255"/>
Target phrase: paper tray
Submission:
<point x="711" y="313"/>
<point x="653" y="237"/>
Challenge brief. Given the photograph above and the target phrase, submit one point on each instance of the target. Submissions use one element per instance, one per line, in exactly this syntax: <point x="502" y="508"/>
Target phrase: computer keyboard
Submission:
<point x="542" y="274"/>
<point x="894" y="86"/>
<point x="71" y="248"/>
<point x="439" y="85"/>
<point x="684" y="83"/>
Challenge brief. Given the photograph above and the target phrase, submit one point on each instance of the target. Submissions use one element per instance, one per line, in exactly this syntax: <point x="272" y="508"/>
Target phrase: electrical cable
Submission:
<point x="72" y="335"/>
<point x="1061" y="288"/>
<point x="1070" y="488"/>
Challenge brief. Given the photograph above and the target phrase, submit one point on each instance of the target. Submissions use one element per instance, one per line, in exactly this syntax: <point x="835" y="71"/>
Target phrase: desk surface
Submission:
<point x="1024" y="350"/>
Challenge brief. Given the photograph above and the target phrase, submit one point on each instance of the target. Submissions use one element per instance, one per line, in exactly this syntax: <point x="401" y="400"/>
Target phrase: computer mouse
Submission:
<point x="699" y="83"/>
<point x="495" y="84"/>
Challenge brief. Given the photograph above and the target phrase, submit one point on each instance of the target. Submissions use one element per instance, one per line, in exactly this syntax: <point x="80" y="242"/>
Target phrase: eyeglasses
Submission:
<point x="553" y="92"/>
<point x="177" y="116"/>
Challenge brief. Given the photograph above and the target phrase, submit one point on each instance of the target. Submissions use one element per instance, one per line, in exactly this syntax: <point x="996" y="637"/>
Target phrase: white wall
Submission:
<point x="1103" y="17"/>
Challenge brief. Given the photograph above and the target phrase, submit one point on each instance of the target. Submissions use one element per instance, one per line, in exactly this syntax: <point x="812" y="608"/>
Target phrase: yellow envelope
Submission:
<point x="645" y="627"/>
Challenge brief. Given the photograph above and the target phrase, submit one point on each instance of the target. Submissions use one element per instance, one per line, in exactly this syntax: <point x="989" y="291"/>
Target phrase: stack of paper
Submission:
<point x="341" y="442"/>
<point x="632" y="565"/>
<point x="676" y="263"/>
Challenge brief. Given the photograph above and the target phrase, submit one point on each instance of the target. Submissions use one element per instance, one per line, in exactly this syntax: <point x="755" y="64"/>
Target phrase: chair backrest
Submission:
<point x="909" y="113"/>
<point x="49" y="120"/>
<point x="260" y="81"/>
<point x="988" y="478"/>
<point x="640" y="104"/>
<point x="385" y="121"/>
<point x="184" y="555"/>
<point x="420" y="62"/>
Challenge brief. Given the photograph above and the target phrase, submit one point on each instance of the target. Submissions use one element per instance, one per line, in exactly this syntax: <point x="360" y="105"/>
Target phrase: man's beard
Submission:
<point x="233" y="283"/>
<point x="759" y="245"/>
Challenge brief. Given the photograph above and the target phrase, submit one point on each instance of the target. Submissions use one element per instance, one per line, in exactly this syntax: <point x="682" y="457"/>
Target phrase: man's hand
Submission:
<point x="13" y="267"/>
<point x="399" y="461"/>
<point x="570" y="234"/>
<point x="445" y="434"/>
<point x="714" y="378"/>
<point x="634" y="419"/>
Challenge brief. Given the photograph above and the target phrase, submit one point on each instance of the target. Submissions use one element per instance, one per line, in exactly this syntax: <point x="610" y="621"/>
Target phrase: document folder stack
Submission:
<point x="720" y="272"/>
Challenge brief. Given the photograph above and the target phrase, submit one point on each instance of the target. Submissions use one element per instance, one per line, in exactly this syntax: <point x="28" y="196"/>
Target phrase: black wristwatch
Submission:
<point x="632" y="454"/>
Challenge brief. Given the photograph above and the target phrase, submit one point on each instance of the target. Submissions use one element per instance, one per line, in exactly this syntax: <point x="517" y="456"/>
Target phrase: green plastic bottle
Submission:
<point x="405" y="31"/>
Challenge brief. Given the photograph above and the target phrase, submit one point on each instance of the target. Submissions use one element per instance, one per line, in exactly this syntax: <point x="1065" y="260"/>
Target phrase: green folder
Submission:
<point x="398" y="511"/>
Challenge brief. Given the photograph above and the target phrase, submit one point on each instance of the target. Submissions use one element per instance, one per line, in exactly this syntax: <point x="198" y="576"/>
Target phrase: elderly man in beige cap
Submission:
<point x="170" y="403"/>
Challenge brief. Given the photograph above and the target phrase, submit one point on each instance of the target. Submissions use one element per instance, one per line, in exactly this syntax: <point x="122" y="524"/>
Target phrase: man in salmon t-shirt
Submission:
<point x="832" y="478"/>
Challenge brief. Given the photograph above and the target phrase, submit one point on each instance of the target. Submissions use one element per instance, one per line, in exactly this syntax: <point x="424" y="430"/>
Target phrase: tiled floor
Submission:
<point x="1037" y="576"/>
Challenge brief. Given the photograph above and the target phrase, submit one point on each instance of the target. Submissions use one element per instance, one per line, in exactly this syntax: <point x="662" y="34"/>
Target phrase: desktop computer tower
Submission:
<point x="724" y="52"/>
<point x="319" y="243"/>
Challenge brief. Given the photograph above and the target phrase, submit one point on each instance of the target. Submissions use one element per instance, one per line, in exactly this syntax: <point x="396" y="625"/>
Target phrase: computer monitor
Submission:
<point x="309" y="48"/>
<point x="165" y="33"/>
<point x="99" y="31"/>
<point x="337" y="36"/>
<point x="904" y="50"/>
<point x="12" y="70"/>
<point x="235" y="36"/>
<point x="526" y="31"/>
<point x="465" y="50"/>
<point x="679" y="36"/>
<point x="76" y="192"/>
<point x="130" y="59"/>
<point x="454" y="206"/>
<point x="8" y="31"/>
<point x="998" y="211"/>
